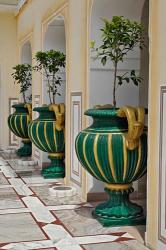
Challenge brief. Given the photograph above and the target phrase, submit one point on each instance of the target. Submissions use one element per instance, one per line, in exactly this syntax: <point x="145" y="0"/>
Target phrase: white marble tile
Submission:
<point x="6" y="204"/>
<point x="20" y="187"/>
<point x="5" y="186"/>
<point x="88" y="205"/>
<point x="2" y="162"/>
<point x="120" y="245"/>
<point x="8" y="171"/>
<point x="22" y="166"/>
<point x="39" y="211"/>
<point x="27" y="163"/>
<point x="37" y="184"/>
<point x="29" y="245"/>
<point x="127" y="235"/>
<point x="95" y="239"/>
<point x="61" y="238"/>
<point x="9" y="199"/>
<point x="63" y="207"/>
<point x="14" y="211"/>
<point x="19" y="227"/>
<point x="3" y="180"/>
<point x="37" y="179"/>
<point x="80" y="222"/>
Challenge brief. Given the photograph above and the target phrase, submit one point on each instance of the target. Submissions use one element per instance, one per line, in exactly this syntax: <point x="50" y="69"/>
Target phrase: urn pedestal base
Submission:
<point x="56" y="169"/>
<point x="119" y="210"/>
<point x="26" y="149"/>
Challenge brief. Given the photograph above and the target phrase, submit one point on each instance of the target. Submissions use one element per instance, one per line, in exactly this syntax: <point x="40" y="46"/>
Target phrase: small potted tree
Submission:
<point x="19" y="120"/>
<point x="47" y="131"/>
<point x="114" y="148"/>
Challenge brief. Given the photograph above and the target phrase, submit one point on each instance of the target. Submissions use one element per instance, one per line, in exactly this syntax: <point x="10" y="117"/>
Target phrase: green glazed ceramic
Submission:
<point x="48" y="136"/>
<point x="114" y="150"/>
<point x="18" y="124"/>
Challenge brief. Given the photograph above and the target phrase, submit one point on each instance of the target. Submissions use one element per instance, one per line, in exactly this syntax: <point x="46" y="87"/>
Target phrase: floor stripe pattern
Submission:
<point x="31" y="219"/>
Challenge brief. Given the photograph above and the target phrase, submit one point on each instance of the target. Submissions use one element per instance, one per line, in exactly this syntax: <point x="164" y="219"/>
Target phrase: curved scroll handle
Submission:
<point x="135" y="118"/>
<point x="29" y="107"/>
<point x="59" y="110"/>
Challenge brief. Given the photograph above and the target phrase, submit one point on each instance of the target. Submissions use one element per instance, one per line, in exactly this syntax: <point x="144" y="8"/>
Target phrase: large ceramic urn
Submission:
<point x="114" y="150"/>
<point x="47" y="132"/>
<point x="18" y="123"/>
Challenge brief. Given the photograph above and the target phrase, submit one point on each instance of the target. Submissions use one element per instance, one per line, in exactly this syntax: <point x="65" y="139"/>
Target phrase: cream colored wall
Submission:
<point x="34" y="18"/>
<point x="157" y="76"/>
<point x="30" y="25"/>
<point x="8" y="58"/>
<point x="30" y="21"/>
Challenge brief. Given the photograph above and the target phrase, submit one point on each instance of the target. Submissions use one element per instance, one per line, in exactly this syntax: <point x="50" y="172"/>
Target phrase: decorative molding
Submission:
<point x="58" y="14"/>
<point x="26" y="38"/>
<point x="76" y="126"/>
<point x="13" y="140"/>
<point x="11" y="8"/>
<point x="22" y="41"/>
<point x="21" y="3"/>
<point x="162" y="168"/>
<point x="20" y="6"/>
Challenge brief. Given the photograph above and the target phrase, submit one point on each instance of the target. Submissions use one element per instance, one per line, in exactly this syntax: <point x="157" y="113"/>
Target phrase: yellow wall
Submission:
<point x="32" y="21"/>
<point x="156" y="78"/>
<point x="8" y="58"/>
<point x="29" y="22"/>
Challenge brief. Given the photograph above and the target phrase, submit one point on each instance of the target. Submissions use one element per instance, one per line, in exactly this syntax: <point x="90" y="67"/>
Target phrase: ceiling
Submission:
<point x="9" y="2"/>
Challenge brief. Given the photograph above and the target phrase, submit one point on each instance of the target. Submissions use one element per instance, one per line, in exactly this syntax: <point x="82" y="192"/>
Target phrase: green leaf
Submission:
<point x="104" y="60"/>
<point x="92" y="44"/>
<point x="133" y="73"/>
<point x="127" y="79"/>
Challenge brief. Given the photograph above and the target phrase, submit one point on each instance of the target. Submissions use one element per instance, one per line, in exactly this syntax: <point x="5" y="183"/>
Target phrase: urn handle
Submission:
<point x="29" y="107"/>
<point x="59" y="110"/>
<point x="135" y="118"/>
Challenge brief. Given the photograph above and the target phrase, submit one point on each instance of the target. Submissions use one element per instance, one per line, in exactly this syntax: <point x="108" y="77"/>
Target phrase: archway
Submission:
<point x="54" y="39"/>
<point x="100" y="87"/>
<point x="26" y="58"/>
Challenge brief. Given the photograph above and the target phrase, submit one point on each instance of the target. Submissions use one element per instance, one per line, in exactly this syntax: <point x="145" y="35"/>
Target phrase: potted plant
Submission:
<point x="47" y="131"/>
<point x="114" y="148"/>
<point x="19" y="120"/>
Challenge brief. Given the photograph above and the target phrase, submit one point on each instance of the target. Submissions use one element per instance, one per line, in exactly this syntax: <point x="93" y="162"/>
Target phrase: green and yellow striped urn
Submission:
<point x="18" y="123"/>
<point x="47" y="132"/>
<point x="114" y="150"/>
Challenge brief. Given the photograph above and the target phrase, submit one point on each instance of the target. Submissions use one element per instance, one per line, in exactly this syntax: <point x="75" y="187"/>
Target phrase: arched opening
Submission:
<point x="101" y="78"/>
<point x="26" y="58"/>
<point x="54" y="39"/>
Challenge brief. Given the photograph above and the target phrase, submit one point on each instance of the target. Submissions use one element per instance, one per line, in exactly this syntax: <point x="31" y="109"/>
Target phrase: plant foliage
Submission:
<point x="23" y="75"/>
<point x="119" y="37"/>
<point x="49" y="64"/>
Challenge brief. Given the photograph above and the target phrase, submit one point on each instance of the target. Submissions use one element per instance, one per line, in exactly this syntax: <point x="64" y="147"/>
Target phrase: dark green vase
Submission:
<point x="114" y="150"/>
<point x="18" y="124"/>
<point x="47" y="133"/>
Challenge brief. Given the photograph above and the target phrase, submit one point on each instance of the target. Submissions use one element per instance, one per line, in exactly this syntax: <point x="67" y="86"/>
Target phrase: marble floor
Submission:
<point x="31" y="218"/>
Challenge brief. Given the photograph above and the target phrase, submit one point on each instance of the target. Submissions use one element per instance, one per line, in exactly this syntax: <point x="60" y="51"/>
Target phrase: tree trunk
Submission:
<point x="114" y="86"/>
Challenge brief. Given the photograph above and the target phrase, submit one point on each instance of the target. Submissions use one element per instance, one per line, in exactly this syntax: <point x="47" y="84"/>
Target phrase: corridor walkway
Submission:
<point x="30" y="218"/>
